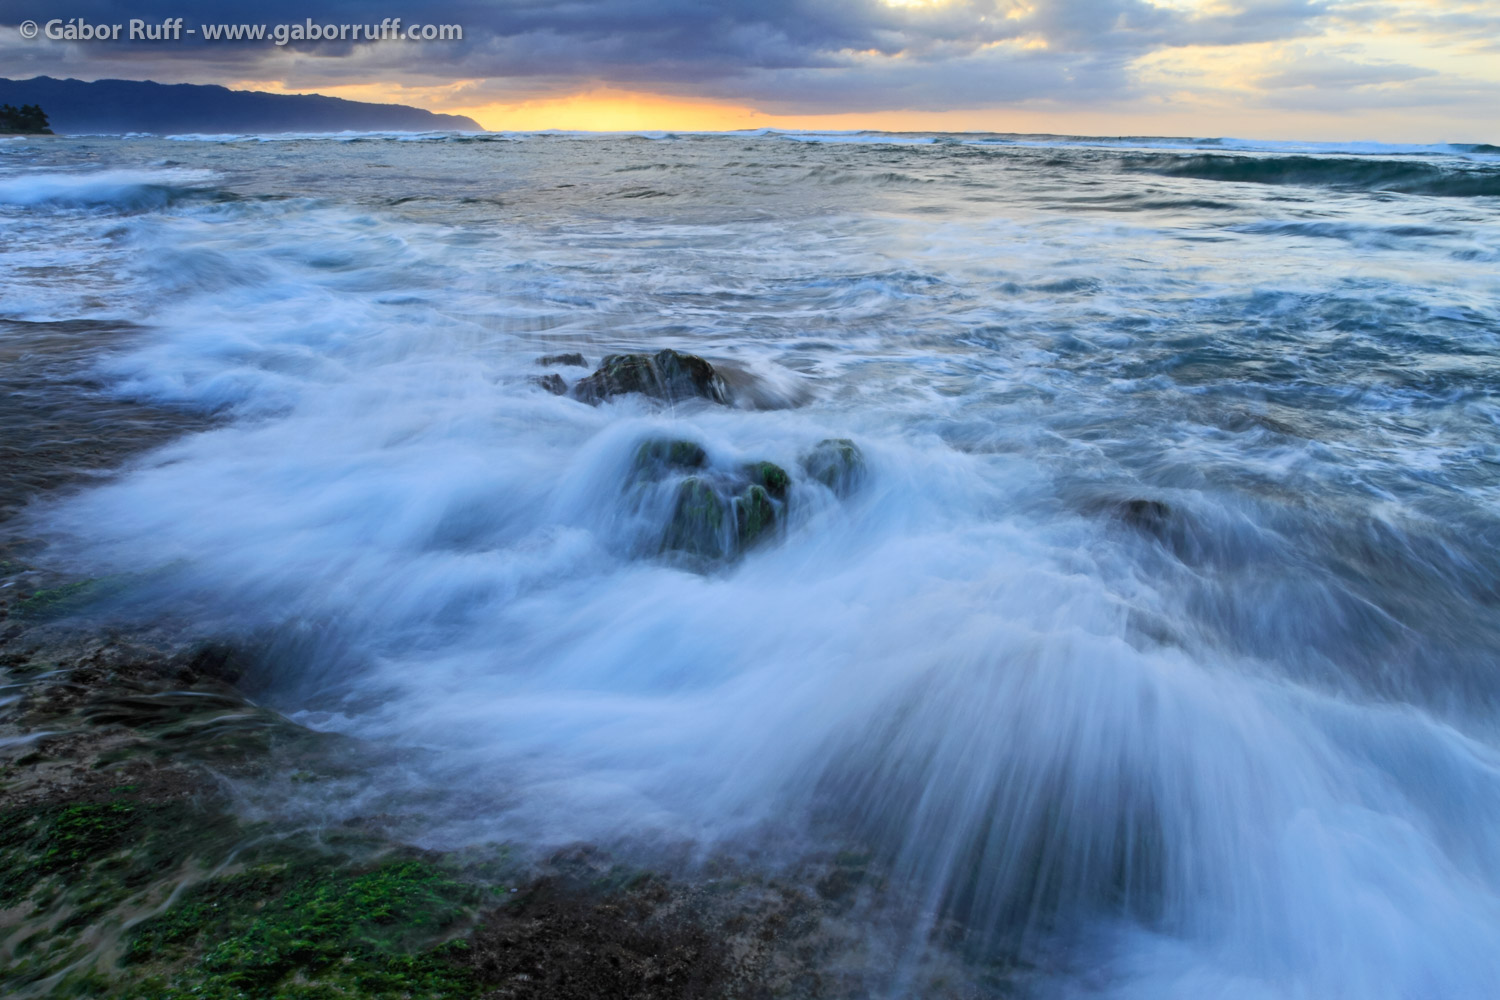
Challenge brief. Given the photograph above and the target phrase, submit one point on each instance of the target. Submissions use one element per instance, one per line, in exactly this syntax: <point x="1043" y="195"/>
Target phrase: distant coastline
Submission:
<point x="121" y="106"/>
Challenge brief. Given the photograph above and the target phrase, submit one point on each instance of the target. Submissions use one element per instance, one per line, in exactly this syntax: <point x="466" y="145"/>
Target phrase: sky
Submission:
<point x="1338" y="70"/>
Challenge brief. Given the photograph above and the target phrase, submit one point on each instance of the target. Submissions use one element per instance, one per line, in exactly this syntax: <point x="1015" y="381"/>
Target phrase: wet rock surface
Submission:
<point x="667" y="375"/>
<point x="716" y="514"/>
<point x="574" y="360"/>
<point x="552" y="382"/>
<point x="56" y="426"/>
<point x="131" y="870"/>
<point x="837" y="463"/>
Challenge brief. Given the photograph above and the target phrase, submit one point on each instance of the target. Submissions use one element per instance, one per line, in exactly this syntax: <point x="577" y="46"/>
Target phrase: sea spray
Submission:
<point x="1149" y="649"/>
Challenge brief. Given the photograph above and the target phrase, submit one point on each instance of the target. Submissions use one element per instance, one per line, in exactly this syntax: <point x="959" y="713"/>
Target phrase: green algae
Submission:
<point x="95" y="853"/>
<point x="73" y="874"/>
<point x="293" y="919"/>
<point x="58" y="602"/>
<point x="307" y="930"/>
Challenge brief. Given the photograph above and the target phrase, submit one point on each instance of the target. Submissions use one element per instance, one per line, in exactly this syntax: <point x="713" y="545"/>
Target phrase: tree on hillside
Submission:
<point x="28" y="119"/>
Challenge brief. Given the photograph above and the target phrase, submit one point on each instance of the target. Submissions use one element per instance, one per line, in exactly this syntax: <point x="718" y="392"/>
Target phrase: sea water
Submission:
<point x="1158" y="647"/>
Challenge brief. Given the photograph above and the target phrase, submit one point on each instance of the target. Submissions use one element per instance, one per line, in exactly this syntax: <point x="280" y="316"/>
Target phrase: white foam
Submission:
<point x="944" y="666"/>
<point x="120" y="187"/>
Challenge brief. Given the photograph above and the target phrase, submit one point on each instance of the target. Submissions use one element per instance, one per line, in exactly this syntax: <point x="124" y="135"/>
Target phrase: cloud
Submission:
<point x="1325" y="71"/>
<point x="848" y="54"/>
<point x="822" y="56"/>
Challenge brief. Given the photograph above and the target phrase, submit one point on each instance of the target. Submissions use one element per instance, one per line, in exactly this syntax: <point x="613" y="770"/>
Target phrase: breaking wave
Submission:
<point x="1449" y="180"/>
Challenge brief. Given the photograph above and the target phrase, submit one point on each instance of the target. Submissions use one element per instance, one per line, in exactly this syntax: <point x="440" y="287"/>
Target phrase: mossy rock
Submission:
<point x="755" y="515"/>
<point x="770" y="477"/>
<point x="58" y="602"/>
<point x="698" y="520"/>
<point x="96" y="851"/>
<point x="666" y="375"/>
<point x="656" y="457"/>
<point x="310" y="929"/>
<point x="716" y="514"/>
<point x="296" y="918"/>
<point x="838" y="464"/>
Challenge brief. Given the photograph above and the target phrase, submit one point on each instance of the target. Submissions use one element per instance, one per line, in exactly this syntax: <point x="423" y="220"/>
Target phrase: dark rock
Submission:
<point x="551" y="382"/>
<point x="716" y="513"/>
<point x="837" y="463"/>
<point x="666" y="375"/>
<point x="770" y="476"/>
<point x="698" y="521"/>
<point x="755" y="516"/>
<point x="1173" y="528"/>
<point x="1150" y="516"/>
<point x="563" y="937"/>
<point x="575" y="360"/>
<point x="658" y="456"/>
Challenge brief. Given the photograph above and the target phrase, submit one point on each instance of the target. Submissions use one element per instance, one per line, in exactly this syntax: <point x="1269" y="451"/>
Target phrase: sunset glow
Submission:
<point x="1408" y="70"/>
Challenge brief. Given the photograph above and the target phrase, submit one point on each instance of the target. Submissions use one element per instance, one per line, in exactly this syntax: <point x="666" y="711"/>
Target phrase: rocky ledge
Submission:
<point x="130" y="869"/>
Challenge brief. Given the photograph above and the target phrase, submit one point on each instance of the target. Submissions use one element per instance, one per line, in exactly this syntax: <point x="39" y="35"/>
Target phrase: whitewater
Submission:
<point x="1156" y="649"/>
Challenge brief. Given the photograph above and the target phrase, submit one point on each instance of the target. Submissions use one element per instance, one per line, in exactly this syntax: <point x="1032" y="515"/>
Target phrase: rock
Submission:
<point x="550" y="360"/>
<point x="656" y="457"/>
<point x="666" y="375"/>
<point x="1150" y="516"/>
<point x="755" y="515"/>
<point x="771" y="477"/>
<point x="551" y="382"/>
<point x="698" y="520"/>
<point x="701" y="522"/>
<point x="715" y="513"/>
<point x="837" y="463"/>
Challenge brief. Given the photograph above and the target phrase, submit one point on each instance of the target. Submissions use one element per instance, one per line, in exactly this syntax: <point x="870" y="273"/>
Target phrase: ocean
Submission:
<point x="1149" y="642"/>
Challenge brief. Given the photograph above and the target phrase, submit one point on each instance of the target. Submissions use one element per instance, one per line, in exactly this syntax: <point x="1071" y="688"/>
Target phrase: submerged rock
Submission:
<point x="754" y="516"/>
<point x="667" y="375"/>
<point x="698" y="521"/>
<point x="1150" y="516"/>
<point x="116" y="828"/>
<point x="715" y="513"/>
<point x="552" y="383"/>
<point x="660" y="454"/>
<point x="837" y="463"/>
<point x="574" y="360"/>
<point x="771" y="477"/>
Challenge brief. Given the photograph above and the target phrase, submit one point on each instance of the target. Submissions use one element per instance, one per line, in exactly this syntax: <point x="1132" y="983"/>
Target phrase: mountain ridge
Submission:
<point x="119" y="106"/>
